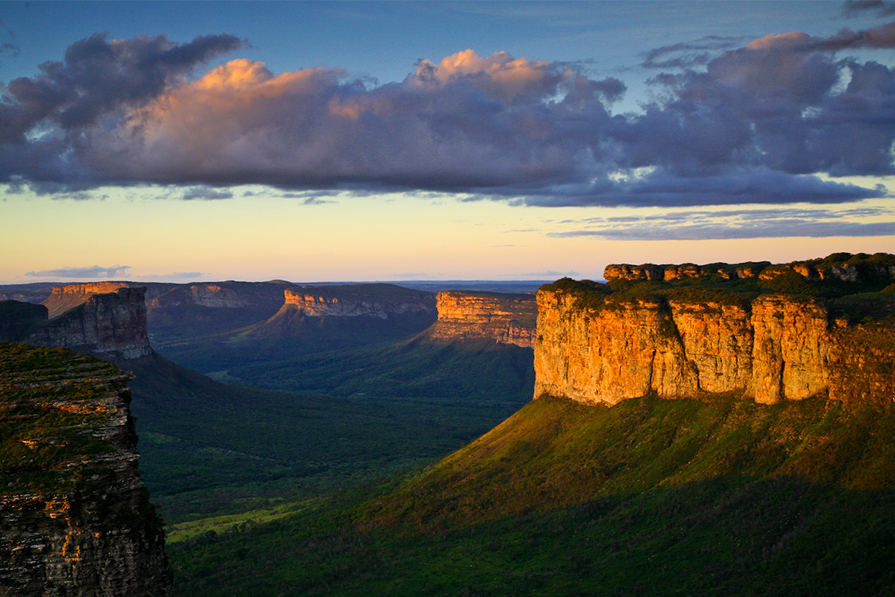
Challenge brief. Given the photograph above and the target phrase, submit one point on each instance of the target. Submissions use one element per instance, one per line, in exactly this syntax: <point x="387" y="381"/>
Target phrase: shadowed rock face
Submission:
<point x="771" y="349"/>
<point x="75" y="519"/>
<point x="113" y="323"/>
<point x="505" y="318"/>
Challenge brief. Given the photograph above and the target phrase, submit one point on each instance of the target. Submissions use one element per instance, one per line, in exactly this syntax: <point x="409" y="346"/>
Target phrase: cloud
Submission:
<point x="853" y="8"/>
<point x="689" y="54"/>
<point x="116" y="271"/>
<point x="737" y="224"/>
<point x="206" y="193"/>
<point x="753" y="124"/>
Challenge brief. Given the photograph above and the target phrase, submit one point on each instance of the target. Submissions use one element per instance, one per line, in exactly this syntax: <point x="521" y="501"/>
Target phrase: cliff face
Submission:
<point x="75" y="519"/>
<point x="353" y="300"/>
<point x="113" y="323"/>
<point x="506" y="318"/>
<point x="69" y="296"/>
<point x="843" y="267"/>
<point x="768" y="349"/>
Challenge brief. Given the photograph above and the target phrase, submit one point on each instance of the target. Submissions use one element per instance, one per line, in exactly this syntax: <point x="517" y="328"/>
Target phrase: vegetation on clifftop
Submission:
<point x="868" y="298"/>
<point x="51" y="403"/>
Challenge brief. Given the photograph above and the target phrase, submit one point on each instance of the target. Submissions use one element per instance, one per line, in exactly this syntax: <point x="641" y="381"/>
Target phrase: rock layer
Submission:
<point x="770" y="349"/>
<point x="505" y="318"/>
<point x="354" y="300"/>
<point x="75" y="519"/>
<point x="113" y="324"/>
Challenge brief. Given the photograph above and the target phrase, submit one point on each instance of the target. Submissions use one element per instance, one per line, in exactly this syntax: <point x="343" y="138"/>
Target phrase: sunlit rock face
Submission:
<point x="113" y="323"/>
<point x="382" y="301"/>
<point x="69" y="296"/>
<point x="770" y="348"/>
<point x="504" y="318"/>
<point x="75" y="518"/>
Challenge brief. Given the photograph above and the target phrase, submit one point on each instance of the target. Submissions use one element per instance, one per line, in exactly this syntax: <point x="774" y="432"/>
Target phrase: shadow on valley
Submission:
<point x="214" y="449"/>
<point x="651" y="497"/>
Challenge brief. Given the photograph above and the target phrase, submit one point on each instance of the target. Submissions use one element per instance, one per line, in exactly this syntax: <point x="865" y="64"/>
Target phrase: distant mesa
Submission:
<point x="69" y="296"/>
<point x="503" y="318"/>
<point x="354" y="300"/>
<point x="112" y="324"/>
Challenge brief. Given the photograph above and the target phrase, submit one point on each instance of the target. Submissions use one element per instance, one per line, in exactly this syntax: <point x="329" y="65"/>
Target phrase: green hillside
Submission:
<point x="650" y="497"/>
<point x="210" y="449"/>
<point x="469" y="370"/>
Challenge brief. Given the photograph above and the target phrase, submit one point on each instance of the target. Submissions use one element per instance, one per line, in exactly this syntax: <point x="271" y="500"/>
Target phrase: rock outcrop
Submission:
<point x="112" y="324"/>
<point x="70" y="296"/>
<point x="354" y="300"/>
<point x="599" y="348"/>
<point x="75" y="519"/>
<point x="504" y="318"/>
<point x="844" y="267"/>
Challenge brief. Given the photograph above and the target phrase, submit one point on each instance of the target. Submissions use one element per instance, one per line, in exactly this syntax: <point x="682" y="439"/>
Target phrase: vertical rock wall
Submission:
<point x="777" y="348"/>
<point x="75" y="519"/>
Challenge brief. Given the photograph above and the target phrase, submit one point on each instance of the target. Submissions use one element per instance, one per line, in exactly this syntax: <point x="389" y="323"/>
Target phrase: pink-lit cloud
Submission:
<point x="754" y="124"/>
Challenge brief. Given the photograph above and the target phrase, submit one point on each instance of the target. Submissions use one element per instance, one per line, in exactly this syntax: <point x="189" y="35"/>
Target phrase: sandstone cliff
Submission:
<point x="843" y="267"/>
<point x="69" y="296"/>
<point x="505" y="318"/>
<point x="75" y="519"/>
<point x="353" y="300"/>
<point x="600" y="347"/>
<point x="113" y="324"/>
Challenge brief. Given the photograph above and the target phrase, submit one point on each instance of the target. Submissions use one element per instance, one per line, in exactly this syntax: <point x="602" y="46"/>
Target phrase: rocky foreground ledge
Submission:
<point x="75" y="518"/>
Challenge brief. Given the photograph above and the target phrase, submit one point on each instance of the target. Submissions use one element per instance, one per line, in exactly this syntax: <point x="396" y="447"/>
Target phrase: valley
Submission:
<point x="679" y="429"/>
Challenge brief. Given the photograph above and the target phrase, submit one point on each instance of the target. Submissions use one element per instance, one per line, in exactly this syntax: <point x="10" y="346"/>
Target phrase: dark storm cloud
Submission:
<point x="96" y="77"/>
<point x="116" y="271"/>
<point x="755" y="124"/>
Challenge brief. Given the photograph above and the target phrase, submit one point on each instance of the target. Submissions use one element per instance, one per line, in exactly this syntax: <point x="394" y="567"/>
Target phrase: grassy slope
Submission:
<point x="649" y="497"/>
<point x="210" y="449"/>
<point x="473" y="370"/>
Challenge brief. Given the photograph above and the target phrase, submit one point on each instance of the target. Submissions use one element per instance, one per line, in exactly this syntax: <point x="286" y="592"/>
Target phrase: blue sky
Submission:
<point x="372" y="140"/>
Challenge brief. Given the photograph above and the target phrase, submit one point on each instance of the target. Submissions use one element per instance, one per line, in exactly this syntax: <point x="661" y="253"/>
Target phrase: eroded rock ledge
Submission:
<point x="75" y="518"/>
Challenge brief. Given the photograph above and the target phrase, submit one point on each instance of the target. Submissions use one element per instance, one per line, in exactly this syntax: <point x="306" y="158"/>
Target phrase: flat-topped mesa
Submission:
<point x="382" y="301"/>
<point x="505" y="318"/>
<point x="69" y="296"/>
<point x="113" y="323"/>
<point x="75" y="518"/>
<point x="598" y="346"/>
<point x="844" y="267"/>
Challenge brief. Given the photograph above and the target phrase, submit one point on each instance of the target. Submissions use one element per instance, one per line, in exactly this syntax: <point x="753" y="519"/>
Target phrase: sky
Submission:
<point x="360" y="141"/>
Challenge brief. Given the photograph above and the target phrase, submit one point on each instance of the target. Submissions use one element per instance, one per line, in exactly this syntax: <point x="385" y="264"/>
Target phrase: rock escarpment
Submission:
<point x="382" y="301"/>
<point x="75" y="519"/>
<point x="843" y="267"/>
<point x="505" y="318"/>
<point x="70" y="296"/>
<point x="113" y="324"/>
<point x="598" y="346"/>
